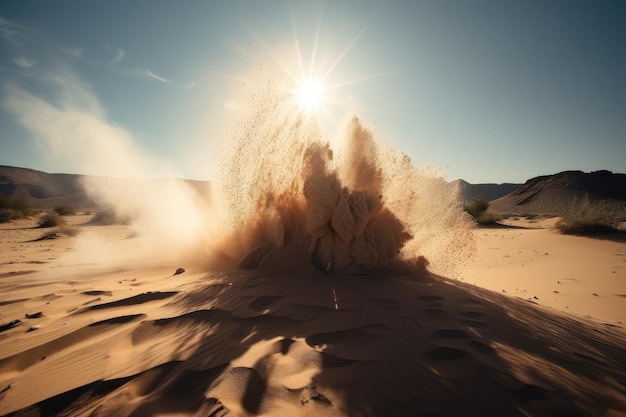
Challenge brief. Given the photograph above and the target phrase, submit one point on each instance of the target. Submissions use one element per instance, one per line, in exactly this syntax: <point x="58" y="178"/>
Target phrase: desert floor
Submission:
<point x="531" y="260"/>
<point x="534" y="327"/>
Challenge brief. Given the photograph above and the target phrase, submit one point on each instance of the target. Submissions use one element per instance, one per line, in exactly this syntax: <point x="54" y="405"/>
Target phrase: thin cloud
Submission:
<point x="146" y="73"/>
<point x="25" y="62"/>
<point x="11" y="32"/>
<point x="33" y="72"/>
<point x="76" y="51"/>
<point x="119" y="55"/>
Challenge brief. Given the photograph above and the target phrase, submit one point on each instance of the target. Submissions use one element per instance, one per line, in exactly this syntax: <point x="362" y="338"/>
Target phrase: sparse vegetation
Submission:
<point x="13" y="209"/>
<point x="54" y="234"/>
<point x="588" y="216"/>
<point x="108" y="217"/>
<point x="478" y="209"/>
<point x="51" y="220"/>
<point x="64" y="210"/>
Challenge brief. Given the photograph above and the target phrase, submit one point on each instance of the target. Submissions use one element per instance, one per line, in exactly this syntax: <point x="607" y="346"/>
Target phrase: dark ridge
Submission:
<point x="118" y="320"/>
<point x="137" y="299"/>
<point x="97" y="292"/>
<point x="58" y="404"/>
<point x="4" y="303"/>
<point x="15" y="273"/>
<point x="10" y="325"/>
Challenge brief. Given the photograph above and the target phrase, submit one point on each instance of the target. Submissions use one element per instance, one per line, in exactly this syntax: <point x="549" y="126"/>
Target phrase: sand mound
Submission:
<point x="244" y="343"/>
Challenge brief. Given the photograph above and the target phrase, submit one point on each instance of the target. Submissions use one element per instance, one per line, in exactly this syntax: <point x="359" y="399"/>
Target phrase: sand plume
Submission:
<point x="287" y="197"/>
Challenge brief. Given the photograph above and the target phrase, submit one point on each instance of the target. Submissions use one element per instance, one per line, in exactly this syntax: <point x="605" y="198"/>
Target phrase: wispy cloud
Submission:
<point x="29" y="69"/>
<point x="119" y="55"/>
<point x="133" y="71"/>
<point x="146" y="73"/>
<point x="28" y="53"/>
<point x="75" y="52"/>
<point x="11" y="32"/>
<point x="35" y="53"/>
<point x="25" y="62"/>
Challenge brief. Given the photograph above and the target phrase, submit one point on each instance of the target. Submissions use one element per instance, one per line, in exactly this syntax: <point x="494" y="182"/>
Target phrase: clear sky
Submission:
<point x="486" y="90"/>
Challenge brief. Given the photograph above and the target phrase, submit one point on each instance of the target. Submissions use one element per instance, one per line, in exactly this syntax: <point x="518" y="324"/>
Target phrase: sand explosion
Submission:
<point x="286" y="197"/>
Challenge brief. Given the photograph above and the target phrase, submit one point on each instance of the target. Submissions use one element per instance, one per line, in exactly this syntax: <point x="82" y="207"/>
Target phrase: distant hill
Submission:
<point x="555" y="194"/>
<point x="487" y="191"/>
<point x="548" y="194"/>
<point x="45" y="191"/>
<point x="42" y="190"/>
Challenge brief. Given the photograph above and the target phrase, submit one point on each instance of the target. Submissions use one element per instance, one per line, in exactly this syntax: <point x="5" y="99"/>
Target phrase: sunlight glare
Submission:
<point x="310" y="94"/>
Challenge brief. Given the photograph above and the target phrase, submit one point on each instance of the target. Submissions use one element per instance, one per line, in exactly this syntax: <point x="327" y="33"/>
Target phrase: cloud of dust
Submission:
<point x="74" y="130"/>
<point x="285" y="197"/>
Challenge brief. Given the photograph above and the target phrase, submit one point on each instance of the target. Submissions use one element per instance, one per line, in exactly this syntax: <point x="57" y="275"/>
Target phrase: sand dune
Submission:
<point x="111" y="339"/>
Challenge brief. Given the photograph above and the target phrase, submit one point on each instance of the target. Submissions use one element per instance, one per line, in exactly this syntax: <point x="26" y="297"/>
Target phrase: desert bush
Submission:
<point x="588" y="216"/>
<point x="51" y="220"/>
<point x="12" y="209"/>
<point x="64" y="210"/>
<point x="478" y="209"/>
<point x="108" y="217"/>
<point x="54" y="234"/>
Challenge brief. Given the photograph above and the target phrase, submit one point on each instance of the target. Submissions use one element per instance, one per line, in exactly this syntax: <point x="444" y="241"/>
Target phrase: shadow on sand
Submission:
<point x="377" y="344"/>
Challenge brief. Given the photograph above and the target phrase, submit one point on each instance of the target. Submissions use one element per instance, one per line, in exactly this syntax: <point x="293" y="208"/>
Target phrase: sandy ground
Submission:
<point x="85" y="334"/>
<point x="531" y="260"/>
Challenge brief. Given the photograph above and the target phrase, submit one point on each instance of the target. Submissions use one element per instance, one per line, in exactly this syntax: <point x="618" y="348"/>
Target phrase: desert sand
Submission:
<point x="531" y="260"/>
<point x="101" y="337"/>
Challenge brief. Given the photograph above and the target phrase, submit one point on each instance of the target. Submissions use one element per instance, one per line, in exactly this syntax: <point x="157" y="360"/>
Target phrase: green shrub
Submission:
<point x="64" y="210"/>
<point x="51" y="220"/>
<point x="478" y="209"/>
<point x="589" y="216"/>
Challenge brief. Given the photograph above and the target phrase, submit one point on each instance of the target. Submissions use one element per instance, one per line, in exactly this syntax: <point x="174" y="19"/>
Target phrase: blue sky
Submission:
<point x="486" y="90"/>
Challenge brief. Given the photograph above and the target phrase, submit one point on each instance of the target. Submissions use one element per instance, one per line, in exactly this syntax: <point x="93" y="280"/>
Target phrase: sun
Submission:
<point x="308" y="84"/>
<point x="309" y="95"/>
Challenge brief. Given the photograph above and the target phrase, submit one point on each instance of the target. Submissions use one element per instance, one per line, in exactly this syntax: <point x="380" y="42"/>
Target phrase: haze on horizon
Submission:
<point x="487" y="91"/>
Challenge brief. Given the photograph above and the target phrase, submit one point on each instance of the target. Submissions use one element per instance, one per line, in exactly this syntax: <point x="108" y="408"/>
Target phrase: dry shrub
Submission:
<point x="64" y="210"/>
<point x="591" y="216"/>
<point x="55" y="234"/>
<point x="12" y="209"/>
<point x="51" y="220"/>
<point x="107" y="217"/>
<point x="478" y="209"/>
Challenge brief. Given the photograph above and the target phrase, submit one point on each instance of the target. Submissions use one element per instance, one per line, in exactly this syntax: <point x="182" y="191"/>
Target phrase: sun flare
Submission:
<point x="310" y="95"/>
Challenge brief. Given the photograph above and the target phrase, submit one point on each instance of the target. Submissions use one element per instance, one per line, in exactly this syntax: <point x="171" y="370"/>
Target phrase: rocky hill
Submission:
<point x="555" y="194"/>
